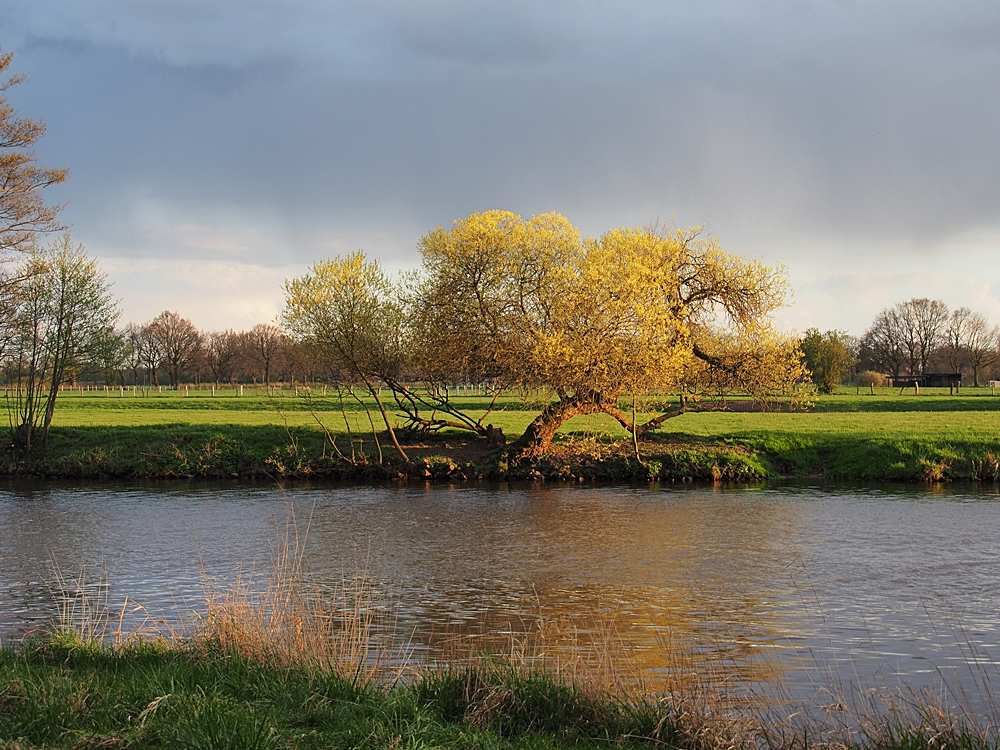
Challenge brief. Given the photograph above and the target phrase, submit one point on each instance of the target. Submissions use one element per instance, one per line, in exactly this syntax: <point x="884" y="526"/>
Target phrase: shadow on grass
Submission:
<point x="177" y="450"/>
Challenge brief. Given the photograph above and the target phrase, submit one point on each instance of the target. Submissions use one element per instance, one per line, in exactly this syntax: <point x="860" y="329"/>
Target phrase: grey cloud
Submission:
<point x="805" y="119"/>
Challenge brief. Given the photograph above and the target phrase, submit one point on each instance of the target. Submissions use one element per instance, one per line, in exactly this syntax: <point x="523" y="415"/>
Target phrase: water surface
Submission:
<point x="802" y="584"/>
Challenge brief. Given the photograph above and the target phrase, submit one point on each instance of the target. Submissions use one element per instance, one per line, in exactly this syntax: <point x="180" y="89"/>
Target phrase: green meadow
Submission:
<point x="850" y="435"/>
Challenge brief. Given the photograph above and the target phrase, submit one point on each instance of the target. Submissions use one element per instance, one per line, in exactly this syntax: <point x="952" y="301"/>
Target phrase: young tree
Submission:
<point x="178" y="341"/>
<point x="828" y="356"/>
<point x="23" y="213"/>
<point x="65" y="311"/>
<point x="348" y="310"/>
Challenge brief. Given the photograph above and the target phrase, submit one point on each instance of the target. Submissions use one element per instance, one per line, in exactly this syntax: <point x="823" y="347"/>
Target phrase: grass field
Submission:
<point x="887" y="436"/>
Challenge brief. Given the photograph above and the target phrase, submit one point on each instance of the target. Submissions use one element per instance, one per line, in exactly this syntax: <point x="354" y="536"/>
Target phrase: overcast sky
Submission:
<point x="218" y="147"/>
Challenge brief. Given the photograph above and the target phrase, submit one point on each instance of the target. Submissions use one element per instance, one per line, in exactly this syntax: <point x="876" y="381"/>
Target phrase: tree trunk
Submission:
<point x="50" y="407"/>
<point x="388" y="424"/>
<point x="538" y="437"/>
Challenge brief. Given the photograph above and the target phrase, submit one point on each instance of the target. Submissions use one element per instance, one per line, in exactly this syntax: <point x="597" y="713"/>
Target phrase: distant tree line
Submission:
<point x="922" y="335"/>
<point x="59" y="326"/>
<point x="60" y="333"/>
<point x="911" y="338"/>
<point x="170" y="350"/>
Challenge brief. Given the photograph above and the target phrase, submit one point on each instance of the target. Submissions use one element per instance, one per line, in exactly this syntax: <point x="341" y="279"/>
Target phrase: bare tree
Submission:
<point x="264" y="347"/>
<point x="881" y="344"/>
<point x="953" y="352"/>
<point x="179" y="343"/>
<point x="924" y="321"/>
<point x="222" y="352"/>
<point x="148" y="353"/>
<point x="971" y="337"/>
<point x="23" y="214"/>
<point x="983" y="345"/>
<point x="144" y="353"/>
<point x="907" y="333"/>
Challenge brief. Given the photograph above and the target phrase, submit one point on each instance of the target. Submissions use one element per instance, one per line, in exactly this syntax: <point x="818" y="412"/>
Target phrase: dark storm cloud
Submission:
<point x="797" y="125"/>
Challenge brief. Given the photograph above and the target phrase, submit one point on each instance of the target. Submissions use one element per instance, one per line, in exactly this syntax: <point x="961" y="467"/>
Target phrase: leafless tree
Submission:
<point x="953" y="352"/>
<point x="881" y="345"/>
<point x="222" y="353"/>
<point x="924" y="321"/>
<point x="148" y="352"/>
<point x="23" y="213"/>
<point x="906" y="334"/>
<point x="264" y="346"/>
<point x="972" y="341"/>
<point x="178" y="341"/>
<point x="144" y="354"/>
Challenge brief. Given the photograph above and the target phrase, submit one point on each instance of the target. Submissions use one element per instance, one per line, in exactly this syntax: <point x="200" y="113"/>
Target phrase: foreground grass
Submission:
<point x="888" y="436"/>
<point x="65" y="693"/>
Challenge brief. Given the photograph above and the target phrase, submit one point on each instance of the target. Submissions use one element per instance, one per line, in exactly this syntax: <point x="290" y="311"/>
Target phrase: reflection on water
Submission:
<point x="860" y="584"/>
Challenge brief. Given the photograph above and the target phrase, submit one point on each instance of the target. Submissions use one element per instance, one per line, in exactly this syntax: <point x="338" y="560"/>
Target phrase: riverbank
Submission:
<point x="849" y="436"/>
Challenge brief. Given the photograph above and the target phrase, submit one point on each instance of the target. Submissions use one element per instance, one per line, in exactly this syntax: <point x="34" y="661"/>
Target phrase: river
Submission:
<point x="796" y="586"/>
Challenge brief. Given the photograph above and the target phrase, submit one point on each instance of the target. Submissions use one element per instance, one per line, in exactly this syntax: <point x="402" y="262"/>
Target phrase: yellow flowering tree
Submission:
<point x="530" y="303"/>
<point x="348" y="309"/>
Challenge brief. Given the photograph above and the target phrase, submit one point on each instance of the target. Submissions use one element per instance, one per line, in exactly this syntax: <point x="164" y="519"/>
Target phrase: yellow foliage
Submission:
<point x="348" y="308"/>
<point x="531" y="303"/>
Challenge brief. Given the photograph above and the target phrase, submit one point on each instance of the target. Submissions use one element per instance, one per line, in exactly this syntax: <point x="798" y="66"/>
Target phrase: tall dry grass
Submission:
<point x="85" y="614"/>
<point x="289" y="618"/>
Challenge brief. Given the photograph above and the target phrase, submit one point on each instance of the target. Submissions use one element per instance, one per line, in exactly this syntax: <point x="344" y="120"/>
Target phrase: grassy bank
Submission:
<point x="888" y="436"/>
<point x="62" y="692"/>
